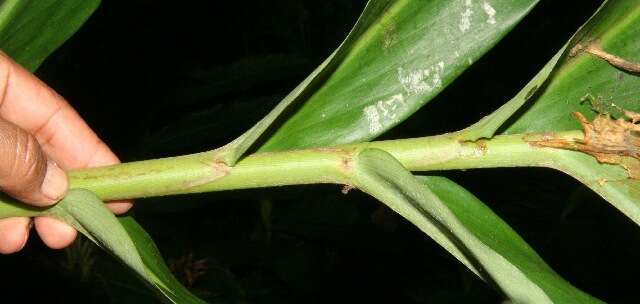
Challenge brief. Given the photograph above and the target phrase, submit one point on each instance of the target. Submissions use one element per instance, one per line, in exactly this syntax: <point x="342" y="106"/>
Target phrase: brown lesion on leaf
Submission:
<point x="609" y="140"/>
<point x="389" y="37"/>
<point x="594" y="48"/>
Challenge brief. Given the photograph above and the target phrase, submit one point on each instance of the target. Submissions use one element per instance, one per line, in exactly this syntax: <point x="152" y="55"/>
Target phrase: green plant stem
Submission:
<point x="199" y="173"/>
<point x="10" y="208"/>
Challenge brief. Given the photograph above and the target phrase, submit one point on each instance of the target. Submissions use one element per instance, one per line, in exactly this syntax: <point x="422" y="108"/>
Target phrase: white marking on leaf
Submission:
<point x="389" y="107"/>
<point x="413" y="80"/>
<point x="465" y="20"/>
<point x="437" y="82"/>
<point x="373" y="118"/>
<point x="421" y="80"/>
<point x="490" y="11"/>
<point x="383" y="110"/>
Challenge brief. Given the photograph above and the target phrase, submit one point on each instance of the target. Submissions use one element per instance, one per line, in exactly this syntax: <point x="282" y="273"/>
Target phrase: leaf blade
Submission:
<point x="466" y="228"/>
<point x="124" y="239"/>
<point x="403" y="61"/>
<point x="31" y="30"/>
<point x="230" y="153"/>
<point x="615" y="27"/>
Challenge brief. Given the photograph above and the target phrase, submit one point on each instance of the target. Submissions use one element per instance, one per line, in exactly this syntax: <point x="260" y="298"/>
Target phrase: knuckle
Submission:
<point x="23" y="164"/>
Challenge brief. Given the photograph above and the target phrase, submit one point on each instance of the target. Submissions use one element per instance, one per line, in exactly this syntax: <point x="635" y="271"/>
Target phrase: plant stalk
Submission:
<point x="200" y="173"/>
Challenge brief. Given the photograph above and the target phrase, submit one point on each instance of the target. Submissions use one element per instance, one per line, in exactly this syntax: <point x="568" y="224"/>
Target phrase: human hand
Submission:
<point x="41" y="135"/>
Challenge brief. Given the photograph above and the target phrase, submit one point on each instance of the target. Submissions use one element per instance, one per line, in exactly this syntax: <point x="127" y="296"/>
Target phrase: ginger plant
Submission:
<point x="399" y="55"/>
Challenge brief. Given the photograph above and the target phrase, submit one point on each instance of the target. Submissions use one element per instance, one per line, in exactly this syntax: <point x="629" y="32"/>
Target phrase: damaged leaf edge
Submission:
<point x="608" y="140"/>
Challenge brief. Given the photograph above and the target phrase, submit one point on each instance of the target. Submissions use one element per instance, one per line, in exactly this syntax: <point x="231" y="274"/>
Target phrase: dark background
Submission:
<point x="156" y="78"/>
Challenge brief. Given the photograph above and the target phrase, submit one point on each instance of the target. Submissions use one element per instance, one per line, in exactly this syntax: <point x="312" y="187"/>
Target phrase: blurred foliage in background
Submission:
<point x="156" y="78"/>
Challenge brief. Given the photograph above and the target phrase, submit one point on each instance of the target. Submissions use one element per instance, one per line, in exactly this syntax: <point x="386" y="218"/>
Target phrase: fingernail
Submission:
<point x="55" y="182"/>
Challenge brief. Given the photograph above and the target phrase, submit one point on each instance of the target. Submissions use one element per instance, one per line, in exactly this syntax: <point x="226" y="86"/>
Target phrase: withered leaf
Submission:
<point x="610" y="141"/>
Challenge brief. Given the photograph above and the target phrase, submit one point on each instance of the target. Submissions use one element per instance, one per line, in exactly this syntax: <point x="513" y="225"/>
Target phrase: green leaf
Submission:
<point x="488" y="125"/>
<point x="231" y="152"/>
<point x="123" y="238"/>
<point x="170" y="287"/>
<point x="466" y="228"/>
<point x="616" y="28"/>
<point x="410" y="51"/>
<point x="30" y="30"/>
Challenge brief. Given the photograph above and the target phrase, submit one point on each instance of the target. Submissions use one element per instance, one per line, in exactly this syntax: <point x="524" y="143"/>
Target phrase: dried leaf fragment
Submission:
<point x="595" y="49"/>
<point x="610" y="141"/>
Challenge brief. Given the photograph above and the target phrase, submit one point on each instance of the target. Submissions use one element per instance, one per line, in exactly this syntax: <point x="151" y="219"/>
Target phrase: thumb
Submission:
<point x="25" y="172"/>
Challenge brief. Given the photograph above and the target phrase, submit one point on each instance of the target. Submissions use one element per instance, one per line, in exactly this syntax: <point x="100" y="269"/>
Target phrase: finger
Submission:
<point x="54" y="233"/>
<point x="119" y="207"/>
<point x="14" y="232"/>
<point x="64" y="136"/>
<point x="25" y="172"/>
